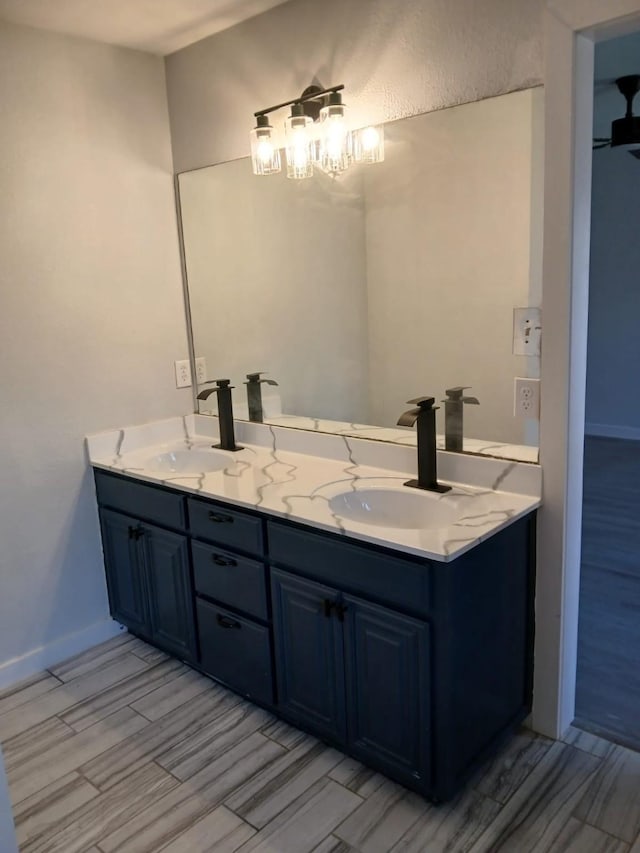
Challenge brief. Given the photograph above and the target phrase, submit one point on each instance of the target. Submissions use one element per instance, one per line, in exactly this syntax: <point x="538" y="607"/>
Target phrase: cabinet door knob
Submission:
<point x="327" y="607"/>
<point x="223" y="561"/>
<point x="225" y="622"/>
<point x="135" y="532"/>
<point x="341" y="609"/>
<point x="219" y="518"/>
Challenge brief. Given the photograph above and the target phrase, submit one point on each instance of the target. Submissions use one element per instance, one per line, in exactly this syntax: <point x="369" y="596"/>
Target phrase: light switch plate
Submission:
<point x="527" y="331"/>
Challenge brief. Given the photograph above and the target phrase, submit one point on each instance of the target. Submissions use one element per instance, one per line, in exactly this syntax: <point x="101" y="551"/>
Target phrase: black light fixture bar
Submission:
<point x="310" y="96"/>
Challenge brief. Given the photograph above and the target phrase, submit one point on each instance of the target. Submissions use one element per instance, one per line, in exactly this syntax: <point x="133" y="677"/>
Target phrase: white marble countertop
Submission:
<point x="271" y="474"/>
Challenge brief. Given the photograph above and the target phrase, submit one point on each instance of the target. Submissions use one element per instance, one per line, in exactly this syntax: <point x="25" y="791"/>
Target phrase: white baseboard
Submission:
<point x="611" y="431"/>
<point x="45" y="656"/>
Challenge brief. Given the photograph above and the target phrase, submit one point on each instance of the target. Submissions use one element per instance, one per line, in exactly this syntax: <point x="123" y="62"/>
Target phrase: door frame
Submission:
<point x="571" y="28"/>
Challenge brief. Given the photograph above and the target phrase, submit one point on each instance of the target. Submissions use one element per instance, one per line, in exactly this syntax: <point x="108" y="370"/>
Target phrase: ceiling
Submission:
<point x="155" y="26"/>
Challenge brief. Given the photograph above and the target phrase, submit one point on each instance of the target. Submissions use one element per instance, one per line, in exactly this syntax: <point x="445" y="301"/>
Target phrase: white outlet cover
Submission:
<point x="526" y="398"/>
<point x="183" y="373"/>
<point x="527" y="331"/>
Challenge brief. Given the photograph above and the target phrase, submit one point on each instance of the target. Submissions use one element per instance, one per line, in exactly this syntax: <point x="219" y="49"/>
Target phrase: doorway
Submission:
<point x="608" y="672"/>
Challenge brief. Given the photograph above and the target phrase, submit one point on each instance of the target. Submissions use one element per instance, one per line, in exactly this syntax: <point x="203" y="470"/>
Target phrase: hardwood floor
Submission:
<point x="608" y="680"/>
<point x="123" y="749"/>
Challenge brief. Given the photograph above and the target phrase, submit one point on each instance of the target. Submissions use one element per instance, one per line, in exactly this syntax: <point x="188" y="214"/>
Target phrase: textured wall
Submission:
<point x="396" y="59"/>
<point x="91" y="308"/>
<point x="613" y="404"/>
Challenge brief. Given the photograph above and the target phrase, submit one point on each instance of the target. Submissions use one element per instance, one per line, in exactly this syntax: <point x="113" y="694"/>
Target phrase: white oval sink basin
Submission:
<point x="402" y="508"/>
<point x="187" y="462"/>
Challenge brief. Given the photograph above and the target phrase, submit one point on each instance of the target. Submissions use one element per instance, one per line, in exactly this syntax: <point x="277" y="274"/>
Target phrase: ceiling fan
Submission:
<point x="625" y="131"/>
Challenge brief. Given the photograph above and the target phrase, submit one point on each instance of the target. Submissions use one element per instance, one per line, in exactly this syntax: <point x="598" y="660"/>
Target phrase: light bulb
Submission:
<point x="369" y="145"/>
<point x="265" y="157"/>
<point x="335" y="149"/>
<point x="299" y="144"/>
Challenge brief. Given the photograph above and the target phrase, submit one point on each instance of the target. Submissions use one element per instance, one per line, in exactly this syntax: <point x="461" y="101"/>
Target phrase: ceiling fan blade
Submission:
<point x="635" y="153"/>
<point x="604" y="145"/>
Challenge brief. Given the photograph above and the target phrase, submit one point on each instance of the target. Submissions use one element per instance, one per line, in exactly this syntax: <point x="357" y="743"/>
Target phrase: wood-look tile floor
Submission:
<point x="608" y="678"/>
<point x="124" y="749"/>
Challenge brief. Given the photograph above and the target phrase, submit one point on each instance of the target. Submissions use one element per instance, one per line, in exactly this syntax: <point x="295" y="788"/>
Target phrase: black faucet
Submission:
<point x="223" y="388"/>
<point x="453" y="431"/>
<point x="425" y="415"/>
<point x="254" y="395"/>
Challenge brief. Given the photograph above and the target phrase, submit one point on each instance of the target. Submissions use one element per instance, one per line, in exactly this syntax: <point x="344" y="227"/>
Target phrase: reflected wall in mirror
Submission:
<point x="359" y="292"/>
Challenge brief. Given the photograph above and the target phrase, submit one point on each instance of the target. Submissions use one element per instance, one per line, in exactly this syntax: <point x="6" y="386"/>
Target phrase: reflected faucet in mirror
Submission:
<point x="223" y="388"/>
<point x="453" y="417"/>
<point x="254" y="395"/>
<point x="424" y="416"/>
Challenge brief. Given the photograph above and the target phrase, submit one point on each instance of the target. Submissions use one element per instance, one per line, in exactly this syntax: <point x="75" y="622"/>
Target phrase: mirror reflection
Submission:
<point x="358" y="292"/>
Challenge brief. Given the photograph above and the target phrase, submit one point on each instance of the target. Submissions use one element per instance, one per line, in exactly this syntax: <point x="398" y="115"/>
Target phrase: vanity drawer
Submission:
<point x="385" y="578"/>
<point x="218" y="523"/>
<point x="229" y="578"/>
<point x="235" y="650"/>
<point x="141" y="500"/>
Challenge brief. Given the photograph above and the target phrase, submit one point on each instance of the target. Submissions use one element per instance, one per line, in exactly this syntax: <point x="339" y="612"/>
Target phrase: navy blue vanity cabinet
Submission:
<point x="232" y="609"/>
<point x="124" y="572"/>
<point x="309" y="654"/>
<point x="147" y="566"/>
<point x="388" y="689"/>
<point x="354" y="672"/>
<point x="418" y="668"/>
<point x="414" y="666"/>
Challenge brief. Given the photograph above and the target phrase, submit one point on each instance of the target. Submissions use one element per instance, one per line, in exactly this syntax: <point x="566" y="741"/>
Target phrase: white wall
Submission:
<point x="396" y="59"/>
<point x="613" y="404"/>
<point x="91" y="309"/>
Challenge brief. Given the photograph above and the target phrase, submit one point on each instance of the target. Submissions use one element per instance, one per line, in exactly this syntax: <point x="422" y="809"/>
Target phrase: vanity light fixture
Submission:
<point x="299" y="143"/>
<point x="316" y="134"/>
<point x="265" y="156"/>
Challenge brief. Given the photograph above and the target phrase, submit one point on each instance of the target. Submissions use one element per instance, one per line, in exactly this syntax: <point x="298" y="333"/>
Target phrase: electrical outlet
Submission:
<point x="183" y="373"/>
<point x="526" y="398"/>
<point x="201" y="370"/>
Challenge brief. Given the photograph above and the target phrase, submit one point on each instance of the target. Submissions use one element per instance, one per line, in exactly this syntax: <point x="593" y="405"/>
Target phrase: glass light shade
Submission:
<point x="265" y="156"/>
<point x="335" y="146"/>
<point x="368" y="145"/>
<point x="299" y="144"/>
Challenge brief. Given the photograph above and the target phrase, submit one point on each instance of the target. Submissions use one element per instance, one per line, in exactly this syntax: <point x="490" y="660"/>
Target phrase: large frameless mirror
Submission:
<point x="361" y="291"/>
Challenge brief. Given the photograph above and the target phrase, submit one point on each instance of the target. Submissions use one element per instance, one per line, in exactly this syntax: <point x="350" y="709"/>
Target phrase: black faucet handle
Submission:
<point x="255" y="377"/>
<point x="424" y="403"/>
<point x="218" y="385"/>
<point x="454" y="395"/>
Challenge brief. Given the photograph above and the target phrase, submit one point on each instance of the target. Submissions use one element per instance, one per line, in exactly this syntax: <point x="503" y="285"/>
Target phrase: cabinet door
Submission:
<point x="166" y="560"/>
<point x="387" y="679"/>
<point x="309" y="654"/>
<point x="125" y="581"/>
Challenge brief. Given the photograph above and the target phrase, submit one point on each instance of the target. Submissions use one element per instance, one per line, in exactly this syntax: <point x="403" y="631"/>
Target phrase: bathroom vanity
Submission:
<point x="413" y="661"/>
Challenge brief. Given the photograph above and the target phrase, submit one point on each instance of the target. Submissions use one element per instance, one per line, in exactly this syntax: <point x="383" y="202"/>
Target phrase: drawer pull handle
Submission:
<point x="223" y="561"/>
<point x="225" y="622"/>
<point x="218" y="518"/>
